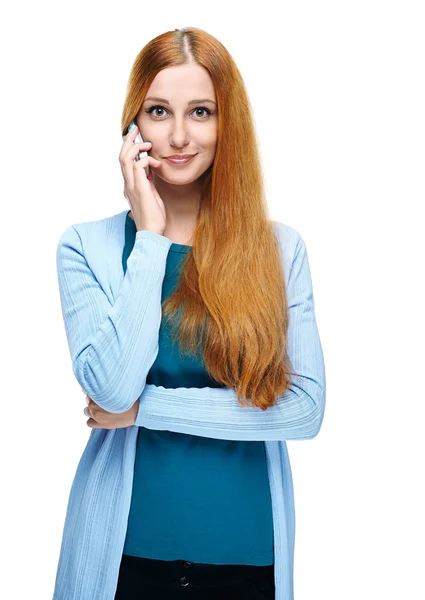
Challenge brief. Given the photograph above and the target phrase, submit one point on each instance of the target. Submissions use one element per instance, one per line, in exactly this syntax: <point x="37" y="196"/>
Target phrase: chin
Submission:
<point x="179" y="178"/>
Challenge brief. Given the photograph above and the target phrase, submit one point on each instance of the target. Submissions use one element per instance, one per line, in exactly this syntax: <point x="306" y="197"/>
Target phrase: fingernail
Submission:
<point x="131" y="127"/>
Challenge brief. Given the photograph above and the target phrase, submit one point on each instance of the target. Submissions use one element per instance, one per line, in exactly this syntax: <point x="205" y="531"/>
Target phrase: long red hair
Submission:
<point x="230" y="304"/>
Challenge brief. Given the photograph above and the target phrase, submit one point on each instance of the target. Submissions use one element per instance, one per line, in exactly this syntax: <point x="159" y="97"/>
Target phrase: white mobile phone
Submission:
<point x="139" y="140"/>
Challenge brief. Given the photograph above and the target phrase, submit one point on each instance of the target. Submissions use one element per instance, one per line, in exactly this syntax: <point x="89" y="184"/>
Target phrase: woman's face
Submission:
<point x="176" y="127"/>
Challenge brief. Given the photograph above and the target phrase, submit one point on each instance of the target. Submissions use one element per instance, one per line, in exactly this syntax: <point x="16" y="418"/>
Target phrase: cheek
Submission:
<point x="147" y="133"/>
<point x="147" y="129"/>
<point x="209" y="143"/>
<point x="213" y="133"/>
<point x="208" y="138"/>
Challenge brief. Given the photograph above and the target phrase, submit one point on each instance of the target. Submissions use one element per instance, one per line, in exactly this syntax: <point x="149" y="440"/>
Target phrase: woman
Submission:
<point x="191" y="327"/>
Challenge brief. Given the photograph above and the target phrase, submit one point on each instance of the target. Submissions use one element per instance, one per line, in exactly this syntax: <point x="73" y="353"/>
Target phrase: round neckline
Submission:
<point x="174" y="246"/>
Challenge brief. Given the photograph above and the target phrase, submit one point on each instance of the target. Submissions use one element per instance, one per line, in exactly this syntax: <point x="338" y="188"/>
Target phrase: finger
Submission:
<point x="130" y="152"/>
<point x="139" y="172"/>
<point x="127" y="160"/>
<point x="131" y="135"/>
<point x="93" y="406"/>
<point x="129" y="143"/>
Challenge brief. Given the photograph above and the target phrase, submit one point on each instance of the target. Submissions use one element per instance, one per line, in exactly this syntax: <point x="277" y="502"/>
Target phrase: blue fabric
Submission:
<point x="112" y="321"/>
<point x="195" y="498"/>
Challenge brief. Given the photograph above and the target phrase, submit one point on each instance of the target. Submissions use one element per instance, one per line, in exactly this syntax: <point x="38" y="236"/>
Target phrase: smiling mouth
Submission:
<point x="180" y="161"/>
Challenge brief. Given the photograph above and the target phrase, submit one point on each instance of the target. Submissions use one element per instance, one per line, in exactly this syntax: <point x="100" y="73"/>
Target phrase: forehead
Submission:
<point x="182" y="83"/>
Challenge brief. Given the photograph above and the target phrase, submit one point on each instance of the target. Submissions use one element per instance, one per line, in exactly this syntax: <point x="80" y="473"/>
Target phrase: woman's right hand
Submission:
<point x="147" y="207"/>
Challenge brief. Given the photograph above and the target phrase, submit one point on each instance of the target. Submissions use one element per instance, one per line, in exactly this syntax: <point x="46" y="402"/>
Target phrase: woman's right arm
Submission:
<point x="112" y="346"/>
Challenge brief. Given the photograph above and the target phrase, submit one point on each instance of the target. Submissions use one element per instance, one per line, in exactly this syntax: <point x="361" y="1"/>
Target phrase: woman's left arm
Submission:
<point x="216" y="412"/>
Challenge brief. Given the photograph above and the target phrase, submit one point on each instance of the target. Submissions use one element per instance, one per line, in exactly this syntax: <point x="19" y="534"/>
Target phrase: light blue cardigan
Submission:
<point x="112" y="322"/>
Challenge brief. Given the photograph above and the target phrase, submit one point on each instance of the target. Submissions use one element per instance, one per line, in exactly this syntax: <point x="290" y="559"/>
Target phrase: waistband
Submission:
<point x="168" y="571"/>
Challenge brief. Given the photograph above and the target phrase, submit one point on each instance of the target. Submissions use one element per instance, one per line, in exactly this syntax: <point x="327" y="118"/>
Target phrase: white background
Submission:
<point x="337" y="90"/>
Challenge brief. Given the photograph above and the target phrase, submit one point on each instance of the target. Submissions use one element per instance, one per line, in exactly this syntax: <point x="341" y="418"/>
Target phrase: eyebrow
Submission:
<point x="189" y="103"/>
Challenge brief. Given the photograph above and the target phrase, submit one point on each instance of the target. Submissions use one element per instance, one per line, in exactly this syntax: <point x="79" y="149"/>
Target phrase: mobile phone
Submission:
<point x="139" y="140"/>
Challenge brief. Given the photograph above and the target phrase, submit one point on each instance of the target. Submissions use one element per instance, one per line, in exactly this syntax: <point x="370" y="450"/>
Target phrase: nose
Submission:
<point x="179" y="135"/>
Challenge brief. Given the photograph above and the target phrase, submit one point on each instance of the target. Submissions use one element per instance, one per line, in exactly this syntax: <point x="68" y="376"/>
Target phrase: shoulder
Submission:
<point x="292" y="249"/>
<point x="289" y="240"/>
<point x="85" y="232"/>
<point x="288" y="235"/>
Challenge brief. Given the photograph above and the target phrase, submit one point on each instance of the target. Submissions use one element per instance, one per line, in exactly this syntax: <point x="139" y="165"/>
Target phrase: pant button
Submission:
<point x="184" y="581"/>
<point x="187" y="564"/>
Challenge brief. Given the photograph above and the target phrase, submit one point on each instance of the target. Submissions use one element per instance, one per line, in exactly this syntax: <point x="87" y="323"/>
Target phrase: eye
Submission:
<point x="204" y="108"/>
<point x="152" y="108"/>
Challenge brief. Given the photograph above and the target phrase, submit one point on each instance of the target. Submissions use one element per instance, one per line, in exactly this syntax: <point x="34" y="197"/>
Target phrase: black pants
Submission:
<point x="149" y="579"/>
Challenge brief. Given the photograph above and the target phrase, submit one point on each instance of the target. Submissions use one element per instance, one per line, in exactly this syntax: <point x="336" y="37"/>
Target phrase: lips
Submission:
<point x="180" y="159"/>
<point x="179" y="156"/>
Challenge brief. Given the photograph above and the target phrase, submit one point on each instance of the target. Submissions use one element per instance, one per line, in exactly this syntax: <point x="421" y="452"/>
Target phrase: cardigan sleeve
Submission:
<point x="112" y="345"/>
<point x="216" y="413"/>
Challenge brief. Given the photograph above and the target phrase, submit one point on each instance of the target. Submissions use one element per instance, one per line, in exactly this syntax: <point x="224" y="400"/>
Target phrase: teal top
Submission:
<point x="195" y="498"/>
